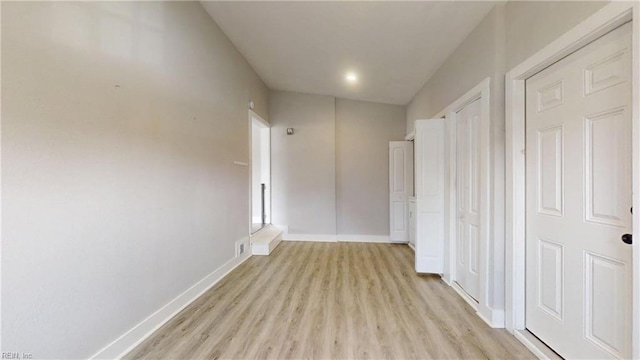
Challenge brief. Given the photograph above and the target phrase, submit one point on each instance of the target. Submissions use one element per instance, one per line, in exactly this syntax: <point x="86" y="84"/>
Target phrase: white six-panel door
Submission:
<point x="468" y="198"/>
<point x="578" y="174"/>
<point x="400" y="187"/>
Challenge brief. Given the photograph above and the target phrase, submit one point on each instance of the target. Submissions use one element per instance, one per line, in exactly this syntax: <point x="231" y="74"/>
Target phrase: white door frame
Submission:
<point x="608" y="18"/>
<point x="254" y="116"/>
<point x="488" y="281"/>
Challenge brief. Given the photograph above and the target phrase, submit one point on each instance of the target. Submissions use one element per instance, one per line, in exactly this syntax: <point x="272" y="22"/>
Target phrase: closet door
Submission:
<point x="430" y="170"/>
<point x="400" y="187"/>
<point x="579" y="197"/>
<point x="468" y="198"/>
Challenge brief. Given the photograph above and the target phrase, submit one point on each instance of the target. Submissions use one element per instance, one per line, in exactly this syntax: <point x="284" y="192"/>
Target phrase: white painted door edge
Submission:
<point x="430" y="158"/>
<point x="606" y="19"/>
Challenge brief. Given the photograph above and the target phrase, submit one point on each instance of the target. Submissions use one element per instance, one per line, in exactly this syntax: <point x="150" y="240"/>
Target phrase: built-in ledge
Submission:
<point x="265" y="240"/>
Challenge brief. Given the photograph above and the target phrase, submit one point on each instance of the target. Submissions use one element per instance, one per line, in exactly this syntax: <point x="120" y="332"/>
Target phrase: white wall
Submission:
<point x="363" y="132"/>
<point x="303" y="164"/>
<point x="550" y="20"/>
<point x="331" y="177"/>
<point x="509" y="34"/>
<point x="120" y="125"/>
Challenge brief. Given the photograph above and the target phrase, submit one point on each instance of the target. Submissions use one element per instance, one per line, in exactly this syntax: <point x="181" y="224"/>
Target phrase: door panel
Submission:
<point x="605" y="302"/>
<point x="605" y="140"/>
<point x="468" y="197"/>
<point x="430" y="170"/>
<point x="550" y="195"/>
<point x="550" y="285"/>
<point x="400" y="186"/>
<point x="578" y="174"/>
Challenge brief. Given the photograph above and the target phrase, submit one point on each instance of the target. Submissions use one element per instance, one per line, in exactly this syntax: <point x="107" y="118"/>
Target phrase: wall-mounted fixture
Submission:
<point x="289" y="131"/>
<point x="251" y="105"/>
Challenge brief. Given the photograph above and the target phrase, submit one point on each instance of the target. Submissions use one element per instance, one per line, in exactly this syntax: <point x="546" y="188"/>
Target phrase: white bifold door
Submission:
<point x="578" y="174"/>
<point x="400" y="188"/>
<point x="429" y="155"/>
<point x="468" y="198"/>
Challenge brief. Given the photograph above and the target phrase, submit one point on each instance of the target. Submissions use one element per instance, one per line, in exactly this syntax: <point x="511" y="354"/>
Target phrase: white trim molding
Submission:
<point x="367" y="239"/>
<point x="136" y="335"/>
<point x="339" y="238"/>
<point x="411" y="136"/>
<point x="310" y="237"/>
<point x="537" y="347"/>
<point x="286" y="236"/>
<point x="491" y="284"/>
<point x="606" y="19"/>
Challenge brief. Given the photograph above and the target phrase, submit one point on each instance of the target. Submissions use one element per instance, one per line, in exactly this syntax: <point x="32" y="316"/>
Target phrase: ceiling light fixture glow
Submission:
<point x="351" y="77"/>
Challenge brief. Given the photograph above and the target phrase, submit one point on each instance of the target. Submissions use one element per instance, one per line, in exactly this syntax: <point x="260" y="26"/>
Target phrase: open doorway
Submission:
<point x="260" y="172"/>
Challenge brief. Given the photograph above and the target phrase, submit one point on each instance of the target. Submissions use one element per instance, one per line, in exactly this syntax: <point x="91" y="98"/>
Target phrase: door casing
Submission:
<point x="608" y="18"/>
<point x="491" y="283"/>
<point x="491" y="315"/>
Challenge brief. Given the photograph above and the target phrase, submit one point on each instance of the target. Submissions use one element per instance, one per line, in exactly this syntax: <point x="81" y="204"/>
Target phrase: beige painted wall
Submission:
<point x="303" y="164"/>
<point x="473" y="61"/>
<point x="363" y="132"/>
<point x="509" y="34"/>
<point x="120" y="125"/>
<point x="331" y="177"/>
<point x="550" y="19"/>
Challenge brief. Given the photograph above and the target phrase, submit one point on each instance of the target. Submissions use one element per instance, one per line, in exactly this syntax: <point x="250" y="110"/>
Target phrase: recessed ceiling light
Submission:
<point x="351" y="77"/>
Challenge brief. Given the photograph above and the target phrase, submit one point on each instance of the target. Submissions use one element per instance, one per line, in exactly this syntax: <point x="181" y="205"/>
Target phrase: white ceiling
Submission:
<point x="394" y="47"/>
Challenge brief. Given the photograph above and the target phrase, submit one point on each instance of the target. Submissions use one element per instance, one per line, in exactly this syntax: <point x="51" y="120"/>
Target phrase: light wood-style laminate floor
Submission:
<point x="330" y="301"/>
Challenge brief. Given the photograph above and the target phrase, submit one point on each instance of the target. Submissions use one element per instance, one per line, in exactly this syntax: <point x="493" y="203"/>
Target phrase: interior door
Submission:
<point x="578" y="164"/>
<point x="429" y="154"/>
<point x="400" y="187"/>
<point x="468" y="198"/>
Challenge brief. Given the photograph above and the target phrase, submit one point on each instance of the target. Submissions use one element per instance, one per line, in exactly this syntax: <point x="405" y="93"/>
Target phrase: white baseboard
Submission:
<point x="493" y="318"/>
<point x="286" y="236"/>
<point x="339" y="238"/>
<point x="310" y="237"/>
<point x="132" y="338"/>
<point x="463" y="294"/>
<point x="365" y="238"/>
<point x="537" y="347"/>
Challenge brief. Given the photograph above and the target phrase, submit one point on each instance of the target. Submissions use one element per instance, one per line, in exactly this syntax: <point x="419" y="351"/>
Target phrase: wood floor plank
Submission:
<point x="330" y="301"/>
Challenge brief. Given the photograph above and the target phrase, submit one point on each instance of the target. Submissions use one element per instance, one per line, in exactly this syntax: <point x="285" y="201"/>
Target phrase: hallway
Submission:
<point x="329" y="300"/>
